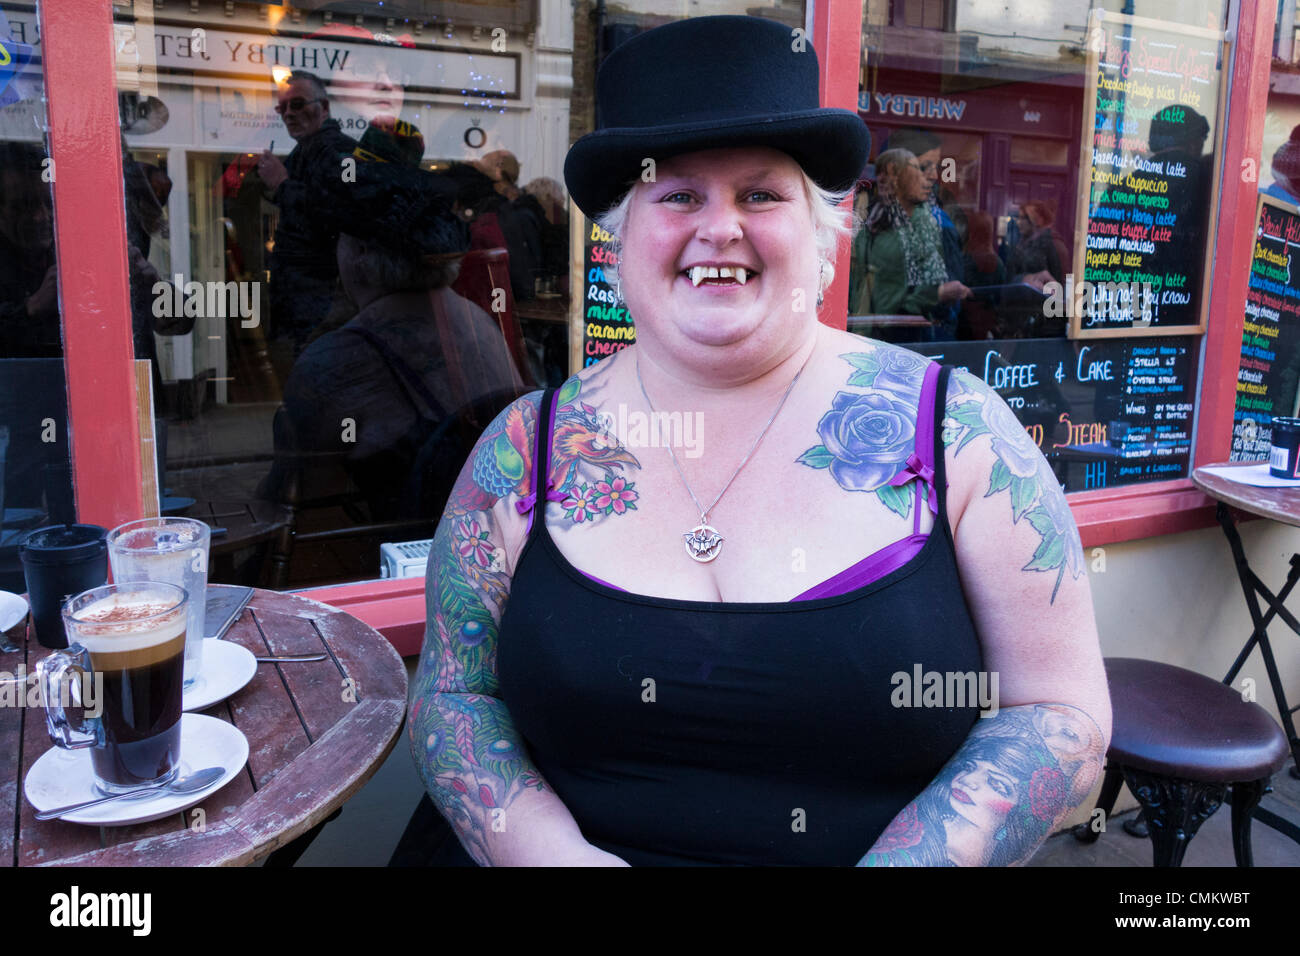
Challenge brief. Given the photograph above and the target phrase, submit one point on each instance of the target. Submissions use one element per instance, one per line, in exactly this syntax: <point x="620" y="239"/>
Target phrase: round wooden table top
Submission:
<point x="316" y="733"/>
<point x="1280" y="504"/>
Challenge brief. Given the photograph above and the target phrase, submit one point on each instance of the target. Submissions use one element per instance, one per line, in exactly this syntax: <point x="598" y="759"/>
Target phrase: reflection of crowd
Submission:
<point x="929" y="265"/>
<point x="956" y="272"/>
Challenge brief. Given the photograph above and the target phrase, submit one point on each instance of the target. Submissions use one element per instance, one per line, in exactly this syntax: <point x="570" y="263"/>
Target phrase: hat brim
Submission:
<point x="830" y="144"/>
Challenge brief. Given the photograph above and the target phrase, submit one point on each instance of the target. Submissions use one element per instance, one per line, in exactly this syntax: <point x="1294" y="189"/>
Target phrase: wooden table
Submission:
<point x="1277" y="504"/>
<point x="310" y="749"/>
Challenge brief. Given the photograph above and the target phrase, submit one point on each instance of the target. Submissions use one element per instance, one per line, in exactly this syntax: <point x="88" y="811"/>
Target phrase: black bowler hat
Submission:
<point x="711" y="83"/>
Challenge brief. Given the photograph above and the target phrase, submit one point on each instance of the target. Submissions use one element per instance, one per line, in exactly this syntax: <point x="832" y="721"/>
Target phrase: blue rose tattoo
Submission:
<point x="866" y="438"/>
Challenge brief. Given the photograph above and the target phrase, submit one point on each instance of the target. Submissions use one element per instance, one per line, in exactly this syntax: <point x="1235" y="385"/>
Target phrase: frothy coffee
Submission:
<point x="124" y="633"/>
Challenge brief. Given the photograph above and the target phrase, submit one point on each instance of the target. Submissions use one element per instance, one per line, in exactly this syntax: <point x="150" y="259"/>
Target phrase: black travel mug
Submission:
<point x="59" y="562"/>
<point x="1284" y="452"/>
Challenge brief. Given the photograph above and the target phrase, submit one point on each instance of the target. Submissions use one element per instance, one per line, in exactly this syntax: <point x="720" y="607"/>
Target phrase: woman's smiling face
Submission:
<point x="722" y="209"/>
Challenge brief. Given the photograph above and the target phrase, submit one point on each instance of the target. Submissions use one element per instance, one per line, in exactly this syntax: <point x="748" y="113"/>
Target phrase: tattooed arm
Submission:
<point x="1019" y="773"/>
<point x="465" y="746"/>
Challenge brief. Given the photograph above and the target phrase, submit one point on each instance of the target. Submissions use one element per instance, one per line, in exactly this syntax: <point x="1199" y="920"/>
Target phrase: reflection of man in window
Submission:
<point x="500" y="215"/>
<point x="304" y="268"/>
<point x="29" y="307"/>
<point x="418" y="372"/>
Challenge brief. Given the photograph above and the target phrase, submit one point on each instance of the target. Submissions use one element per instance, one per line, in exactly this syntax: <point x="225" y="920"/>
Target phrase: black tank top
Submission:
<point x="680" y="732"/>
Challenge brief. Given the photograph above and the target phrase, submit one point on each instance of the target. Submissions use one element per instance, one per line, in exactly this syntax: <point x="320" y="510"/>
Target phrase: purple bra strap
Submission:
<point x="541" y="462"/>
<point x="920" y="463"/>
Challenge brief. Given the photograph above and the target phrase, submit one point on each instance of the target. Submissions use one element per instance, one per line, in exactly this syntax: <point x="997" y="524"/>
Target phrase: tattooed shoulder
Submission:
<point x="1019" y="474"/>
<point x="867" y="436"/>
<point x="591" y="468"/>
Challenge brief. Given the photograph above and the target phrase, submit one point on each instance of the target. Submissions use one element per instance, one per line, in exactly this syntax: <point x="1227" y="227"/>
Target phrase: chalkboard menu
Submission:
<point x="1270" y="338"/>
<point x="1147" y="174"/>
<point x="1104" y="412"/>
<point x="600" y="323"/>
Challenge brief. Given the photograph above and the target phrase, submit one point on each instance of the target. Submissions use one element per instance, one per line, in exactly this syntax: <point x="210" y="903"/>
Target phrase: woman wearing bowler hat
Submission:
<point x="712" y="600"/>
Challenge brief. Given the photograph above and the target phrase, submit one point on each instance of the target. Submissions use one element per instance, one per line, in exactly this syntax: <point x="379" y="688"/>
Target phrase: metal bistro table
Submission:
<point x="1278" y="504"/>
<point x="314" y="739"/>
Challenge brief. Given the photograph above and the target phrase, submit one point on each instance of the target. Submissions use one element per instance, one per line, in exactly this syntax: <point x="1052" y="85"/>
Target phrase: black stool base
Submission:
<point x="1174" y="809"/>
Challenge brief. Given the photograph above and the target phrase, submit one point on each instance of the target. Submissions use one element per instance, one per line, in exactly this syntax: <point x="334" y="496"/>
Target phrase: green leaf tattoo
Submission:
<point x="973" y="409"/>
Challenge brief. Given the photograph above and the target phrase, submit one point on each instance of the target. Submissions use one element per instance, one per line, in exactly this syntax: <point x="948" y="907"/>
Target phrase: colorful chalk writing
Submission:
<point x="1105" y="413"/>
<point x="1270" y="337"/>
<point x="607" y="326"/>
<point x="1149" y="167"/>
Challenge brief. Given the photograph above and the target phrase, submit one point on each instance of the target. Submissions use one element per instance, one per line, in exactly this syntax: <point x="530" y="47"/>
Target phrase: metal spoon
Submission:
<point x="292" y="659"/>
<point x="186" y="784"/>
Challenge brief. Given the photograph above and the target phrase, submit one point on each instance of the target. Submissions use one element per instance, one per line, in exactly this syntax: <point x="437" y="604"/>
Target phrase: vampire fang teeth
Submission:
<point x="699" y="273"/>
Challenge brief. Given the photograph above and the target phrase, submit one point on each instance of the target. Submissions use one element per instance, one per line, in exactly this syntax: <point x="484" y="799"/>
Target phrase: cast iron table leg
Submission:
<point x="1252" y="587"/>
<point x="1174" y="810"/>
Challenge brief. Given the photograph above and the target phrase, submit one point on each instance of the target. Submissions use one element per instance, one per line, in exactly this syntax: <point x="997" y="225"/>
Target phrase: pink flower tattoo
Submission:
<point x="616" y="495"/>
<point x="474" y="544"/>
<point x="579" y="505"/>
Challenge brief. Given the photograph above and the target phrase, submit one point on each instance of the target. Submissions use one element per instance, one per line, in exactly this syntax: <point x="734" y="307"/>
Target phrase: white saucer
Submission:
<point x="64" y="776"/>
<point x="13" y="608"/>
<point x="227" y="667"/>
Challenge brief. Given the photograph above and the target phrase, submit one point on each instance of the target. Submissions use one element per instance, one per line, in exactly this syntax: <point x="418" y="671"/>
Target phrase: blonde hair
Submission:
<point x="831" y="224"/>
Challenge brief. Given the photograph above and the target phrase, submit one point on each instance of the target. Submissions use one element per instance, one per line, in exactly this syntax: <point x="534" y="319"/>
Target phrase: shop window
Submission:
<point x="361" y="242"/>
<point x="35" y="473"/>
<point x="1038" y="210"/>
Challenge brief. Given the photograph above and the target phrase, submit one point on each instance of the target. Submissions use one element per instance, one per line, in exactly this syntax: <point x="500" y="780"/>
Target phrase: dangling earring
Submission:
<point x="618" y="286"/>
<point x="821" y="274"/>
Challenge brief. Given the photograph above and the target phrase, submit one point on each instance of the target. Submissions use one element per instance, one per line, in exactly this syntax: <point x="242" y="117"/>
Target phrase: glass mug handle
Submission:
<point x="51" y="674"/>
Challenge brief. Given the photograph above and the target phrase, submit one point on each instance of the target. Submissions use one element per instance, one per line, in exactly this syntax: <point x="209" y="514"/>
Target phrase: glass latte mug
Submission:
<point x="130" y="638"/>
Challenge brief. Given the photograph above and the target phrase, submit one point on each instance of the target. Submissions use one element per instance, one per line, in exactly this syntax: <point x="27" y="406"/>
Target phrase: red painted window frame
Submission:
<point x="90" y="229"/>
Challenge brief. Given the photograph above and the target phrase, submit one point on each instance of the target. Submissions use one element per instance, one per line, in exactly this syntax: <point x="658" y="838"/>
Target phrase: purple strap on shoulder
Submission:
<point x="541" y="466"/>
<point x="920" y="462"/>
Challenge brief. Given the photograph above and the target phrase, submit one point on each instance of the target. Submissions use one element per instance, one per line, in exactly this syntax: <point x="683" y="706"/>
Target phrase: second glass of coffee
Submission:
<point x="130" y="640"/>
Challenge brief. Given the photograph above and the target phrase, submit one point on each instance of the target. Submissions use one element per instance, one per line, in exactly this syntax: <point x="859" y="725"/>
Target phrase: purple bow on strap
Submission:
<point x="525" y="504"/>
<point x="916" y="468"/>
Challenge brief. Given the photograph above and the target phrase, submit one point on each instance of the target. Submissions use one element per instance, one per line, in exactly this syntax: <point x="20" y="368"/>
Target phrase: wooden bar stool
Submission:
<point x="1180" y="741"/>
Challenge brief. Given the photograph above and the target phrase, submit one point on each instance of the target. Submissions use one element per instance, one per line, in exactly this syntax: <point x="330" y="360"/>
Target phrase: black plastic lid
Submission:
<point x="63" y="543"/>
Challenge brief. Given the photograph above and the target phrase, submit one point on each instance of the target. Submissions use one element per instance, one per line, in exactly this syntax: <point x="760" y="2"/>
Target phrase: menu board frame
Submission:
<point x="1293" y="409"/>
<point x="1100" y="21"/>
<point x="577" y="286"/>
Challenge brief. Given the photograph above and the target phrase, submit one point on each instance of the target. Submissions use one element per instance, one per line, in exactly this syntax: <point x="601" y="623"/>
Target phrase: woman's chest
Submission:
<point x="780" y="527"/>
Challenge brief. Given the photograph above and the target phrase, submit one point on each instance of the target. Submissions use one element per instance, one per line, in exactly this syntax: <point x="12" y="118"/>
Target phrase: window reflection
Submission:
<point x="368" y="235"/>
<point x="35" y="470"/>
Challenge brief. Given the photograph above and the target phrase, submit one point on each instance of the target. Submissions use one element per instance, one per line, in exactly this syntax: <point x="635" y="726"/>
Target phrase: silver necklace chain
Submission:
<point x="703" y="542"/>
